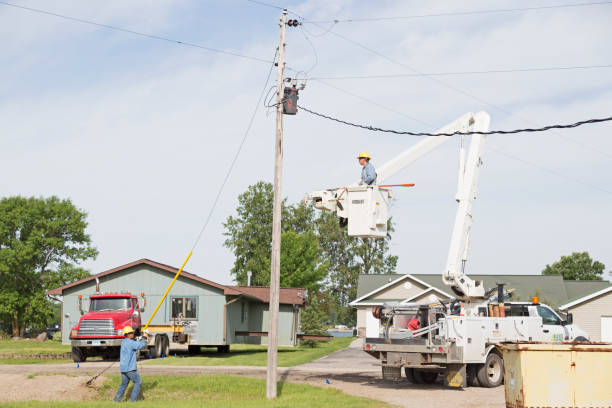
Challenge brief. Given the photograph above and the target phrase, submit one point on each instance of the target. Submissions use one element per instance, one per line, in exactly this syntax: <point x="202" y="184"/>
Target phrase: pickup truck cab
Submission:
<point x="554" y="328"/>
<point x="100" y="329"/>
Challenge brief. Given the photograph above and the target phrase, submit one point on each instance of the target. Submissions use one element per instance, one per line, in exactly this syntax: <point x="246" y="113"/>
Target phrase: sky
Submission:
<point x="139" y="132"/>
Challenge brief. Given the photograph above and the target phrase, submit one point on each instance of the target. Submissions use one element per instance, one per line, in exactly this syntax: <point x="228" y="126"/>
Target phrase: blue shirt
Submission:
<point x="368" y="174"/>
<point x="127" y="356"/>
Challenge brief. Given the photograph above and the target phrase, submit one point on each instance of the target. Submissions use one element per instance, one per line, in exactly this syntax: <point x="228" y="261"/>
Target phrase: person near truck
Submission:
<point x="368" y="174"/>
<point x="127" y="363"/>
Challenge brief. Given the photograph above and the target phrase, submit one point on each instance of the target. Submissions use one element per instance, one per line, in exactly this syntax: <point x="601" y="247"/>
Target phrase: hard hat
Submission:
<point x="127" y="330"/>
<point x="364" y="155"/>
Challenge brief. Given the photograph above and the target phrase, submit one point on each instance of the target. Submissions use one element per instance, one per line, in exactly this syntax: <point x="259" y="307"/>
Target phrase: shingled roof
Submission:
<point x="291" y="296"/>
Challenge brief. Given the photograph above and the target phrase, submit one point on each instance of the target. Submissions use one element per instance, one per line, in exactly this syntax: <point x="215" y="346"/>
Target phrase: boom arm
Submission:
<point x="469" y="170"/>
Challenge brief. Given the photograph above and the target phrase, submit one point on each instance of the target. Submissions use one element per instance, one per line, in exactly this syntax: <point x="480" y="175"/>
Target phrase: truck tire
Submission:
<point x="580" y="338"/>
<point x="472" y="375"/>
<point x="223" y="349"/>
<point x="391" y="373"/>
<point x="491" y="373"/>
<point x="193" y="349"/>
<point x="156" y="351"/>
<point x="410" y="375"/>
<point x="78" y="355"/>
<point x="425" y="377"/>
<point x="165" y="346"/>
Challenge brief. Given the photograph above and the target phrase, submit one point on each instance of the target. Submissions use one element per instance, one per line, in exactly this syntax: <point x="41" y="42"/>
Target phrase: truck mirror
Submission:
<point x="569" y="319"/>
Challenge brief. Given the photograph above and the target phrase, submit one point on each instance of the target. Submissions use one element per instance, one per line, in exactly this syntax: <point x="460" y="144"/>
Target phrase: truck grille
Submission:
<point x="97" y="327"/>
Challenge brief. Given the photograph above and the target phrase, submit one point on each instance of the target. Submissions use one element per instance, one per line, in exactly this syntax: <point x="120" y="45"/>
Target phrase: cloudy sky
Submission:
<point x="139" y="132"/>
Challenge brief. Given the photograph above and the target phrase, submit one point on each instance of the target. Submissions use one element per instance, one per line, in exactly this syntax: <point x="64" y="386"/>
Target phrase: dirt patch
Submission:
<point x="21" y="387"/>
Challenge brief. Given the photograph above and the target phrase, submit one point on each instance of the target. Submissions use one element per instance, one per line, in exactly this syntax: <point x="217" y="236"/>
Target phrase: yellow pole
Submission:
<point x="167" y="290"/>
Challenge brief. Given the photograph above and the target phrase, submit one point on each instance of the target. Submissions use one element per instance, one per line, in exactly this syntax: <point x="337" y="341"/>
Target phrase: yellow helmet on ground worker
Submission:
<point x="127" y="330"/>
<point x="364" y="155"/>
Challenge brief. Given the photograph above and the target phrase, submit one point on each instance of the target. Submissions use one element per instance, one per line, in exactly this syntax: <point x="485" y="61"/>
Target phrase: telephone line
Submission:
<point x="138" y="33"/>
<point x="452" y="14"/>
<point x="491" y="132"/>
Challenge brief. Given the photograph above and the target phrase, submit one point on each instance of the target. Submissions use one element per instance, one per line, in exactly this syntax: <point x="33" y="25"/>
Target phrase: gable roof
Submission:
<point x="583" y="299"/>
<point x="552" y="288"/>
<point x="288" y="295"/>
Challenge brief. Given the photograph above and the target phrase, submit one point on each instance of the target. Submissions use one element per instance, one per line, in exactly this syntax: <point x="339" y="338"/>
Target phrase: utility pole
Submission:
<point x="271" y="375"/>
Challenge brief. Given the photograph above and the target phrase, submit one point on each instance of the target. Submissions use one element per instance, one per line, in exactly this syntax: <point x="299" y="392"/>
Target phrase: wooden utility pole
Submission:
<point x="276" y="220"/>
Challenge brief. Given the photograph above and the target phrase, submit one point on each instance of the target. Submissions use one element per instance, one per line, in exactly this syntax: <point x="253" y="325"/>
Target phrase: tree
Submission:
<point x="312" y="320"/>
<point x="301" y="266"/>
<point x="577" y="266"/>
<point x="41" y="242"/>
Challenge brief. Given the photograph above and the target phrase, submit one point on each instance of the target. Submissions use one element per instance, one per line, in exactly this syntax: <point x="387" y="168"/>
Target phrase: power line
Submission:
<point x="233" y="162"/>
<point x="556" y="173"/>
<point x="450" y="73"/>
<point x="452" y="14"/>
<point x="491" y="132"/>
<point x="128" y="31"/>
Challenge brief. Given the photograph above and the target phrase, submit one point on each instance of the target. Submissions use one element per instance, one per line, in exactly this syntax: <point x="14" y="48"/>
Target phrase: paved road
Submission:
<point x="350" y="370"/>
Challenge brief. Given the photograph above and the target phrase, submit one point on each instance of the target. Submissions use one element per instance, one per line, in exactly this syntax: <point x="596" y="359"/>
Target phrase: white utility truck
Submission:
<point x="456" y="337"/>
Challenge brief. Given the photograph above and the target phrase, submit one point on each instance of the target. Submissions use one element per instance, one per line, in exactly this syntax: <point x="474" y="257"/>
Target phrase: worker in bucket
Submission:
<point x="127" y="363"/>
<point x="368" y="174"/>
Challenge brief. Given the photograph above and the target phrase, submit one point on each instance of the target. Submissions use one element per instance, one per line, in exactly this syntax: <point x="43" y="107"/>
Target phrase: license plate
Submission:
<point x="95" y="342"/>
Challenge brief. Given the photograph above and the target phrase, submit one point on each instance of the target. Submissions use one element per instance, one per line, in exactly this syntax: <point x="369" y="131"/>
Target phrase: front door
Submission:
<point x="553" y="329"/>
<point x="372" y="325"/>
<point x="606" y="329"/>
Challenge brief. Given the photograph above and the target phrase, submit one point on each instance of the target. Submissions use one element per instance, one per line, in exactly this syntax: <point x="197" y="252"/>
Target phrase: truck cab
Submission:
<point x="553" y="328"/>
<point x="100" y="329"/>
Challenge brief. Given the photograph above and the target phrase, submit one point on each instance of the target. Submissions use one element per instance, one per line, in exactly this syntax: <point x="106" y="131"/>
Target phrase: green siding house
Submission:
<point x="214" y="312"/>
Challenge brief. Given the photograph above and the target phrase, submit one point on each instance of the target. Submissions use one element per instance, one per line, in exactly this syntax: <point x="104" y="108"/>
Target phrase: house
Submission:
<point x="593" y="312"/>
<point x="215" y="312"/>
<point x="592" y="300"/>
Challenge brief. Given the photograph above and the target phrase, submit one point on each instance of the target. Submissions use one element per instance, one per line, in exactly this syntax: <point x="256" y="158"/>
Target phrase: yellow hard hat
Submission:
<point x="364" y="155"/>
<point x="127" y="330"/>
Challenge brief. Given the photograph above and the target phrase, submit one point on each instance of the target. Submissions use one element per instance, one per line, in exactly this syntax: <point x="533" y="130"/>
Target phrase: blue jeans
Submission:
<point x="125" y="380"/>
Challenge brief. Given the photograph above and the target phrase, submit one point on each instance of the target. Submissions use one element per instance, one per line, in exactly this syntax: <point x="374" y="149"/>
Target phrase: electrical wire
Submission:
<point x="372" y="102"/>
<point x="138" y="33"/>
<point x="450" y="73"/>
<point x="456" y="13"/>
<point x="314" y="50"/>
<point x="491" y="132"/>
<point x="233" y="162"/>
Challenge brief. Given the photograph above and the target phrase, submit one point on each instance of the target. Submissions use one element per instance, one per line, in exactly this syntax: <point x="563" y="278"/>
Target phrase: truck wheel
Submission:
<point x="391" y="373"/>
<point x="193" y="349"/>
<point x="580" y="338"/>
<point x="156" y="351"/>
<point x="78" y="355"/>
<point x="410" y="375"/>
<point x="425" y="377"/>
<point x="491" y="373"/>
<point x="472" y="375"/>
<point x="223" y="349"/>
<point x="165" y="346"/>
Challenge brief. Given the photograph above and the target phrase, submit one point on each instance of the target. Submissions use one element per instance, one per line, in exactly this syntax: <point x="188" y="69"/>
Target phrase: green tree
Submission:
<point x="312" y="320"/>
<point x="41" y="241"/>
<point x="301" y="265"/>
<point x="577" y="266"/>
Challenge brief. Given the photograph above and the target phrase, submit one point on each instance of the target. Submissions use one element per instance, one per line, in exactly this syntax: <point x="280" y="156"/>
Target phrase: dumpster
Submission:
<point x="558" y="375"/>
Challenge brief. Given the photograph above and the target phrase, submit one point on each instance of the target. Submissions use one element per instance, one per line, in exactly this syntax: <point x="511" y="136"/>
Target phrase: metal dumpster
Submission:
<point x="558" y="375"/>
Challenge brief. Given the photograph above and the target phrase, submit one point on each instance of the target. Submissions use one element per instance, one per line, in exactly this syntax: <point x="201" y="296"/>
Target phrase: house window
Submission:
<point x="184" y="307"/>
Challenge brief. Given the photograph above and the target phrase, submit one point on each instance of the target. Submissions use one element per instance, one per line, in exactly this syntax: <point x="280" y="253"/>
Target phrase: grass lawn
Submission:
<point x="23" y="349"/>
<point x="217" y="391"/>
<point x="255" y="355"/>
<point x="33" y="347"/>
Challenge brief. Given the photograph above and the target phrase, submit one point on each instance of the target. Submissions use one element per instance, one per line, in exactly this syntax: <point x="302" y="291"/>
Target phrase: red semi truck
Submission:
<point x="100" y="329"/>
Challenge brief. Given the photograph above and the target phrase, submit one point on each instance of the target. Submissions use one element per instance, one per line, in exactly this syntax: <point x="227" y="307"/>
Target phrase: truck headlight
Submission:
<point x="120" y="332"/>
<point x="74" y="333"/>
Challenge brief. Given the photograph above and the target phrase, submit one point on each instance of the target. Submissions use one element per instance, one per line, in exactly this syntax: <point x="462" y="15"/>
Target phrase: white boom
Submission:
<point x="368" y="223"/>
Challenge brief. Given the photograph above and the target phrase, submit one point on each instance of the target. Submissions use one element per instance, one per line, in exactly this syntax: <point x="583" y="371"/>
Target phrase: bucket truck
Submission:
<point x="457" y="337"/>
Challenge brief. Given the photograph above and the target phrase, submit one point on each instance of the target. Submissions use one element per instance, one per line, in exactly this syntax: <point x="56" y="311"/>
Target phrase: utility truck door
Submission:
<point x="553" y="329"/>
